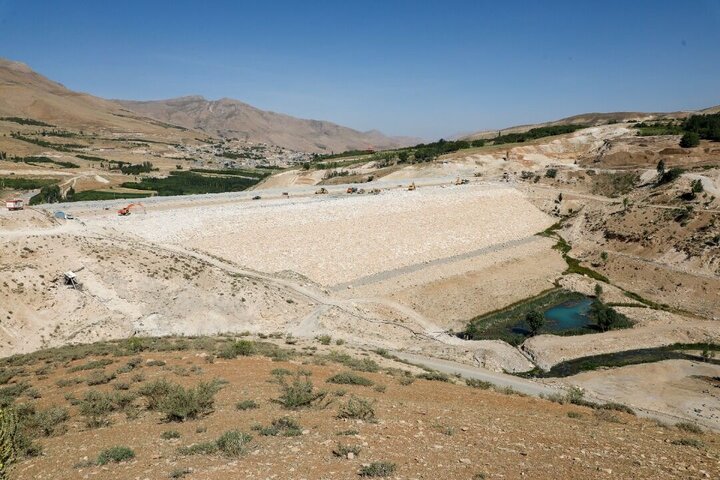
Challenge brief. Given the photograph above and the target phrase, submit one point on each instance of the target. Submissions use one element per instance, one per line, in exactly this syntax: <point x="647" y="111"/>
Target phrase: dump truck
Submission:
<point x="412" y="187"/>
<point x="15" y="204"/>
<point x="322" y="191"/>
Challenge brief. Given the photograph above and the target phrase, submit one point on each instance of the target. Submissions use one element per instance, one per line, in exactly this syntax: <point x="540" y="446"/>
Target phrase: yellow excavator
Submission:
<point x="127" y="210"/>
<point x="412" y="187"/>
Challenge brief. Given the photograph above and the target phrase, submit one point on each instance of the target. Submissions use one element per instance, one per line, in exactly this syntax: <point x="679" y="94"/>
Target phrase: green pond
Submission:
<point x="569" y="315"/>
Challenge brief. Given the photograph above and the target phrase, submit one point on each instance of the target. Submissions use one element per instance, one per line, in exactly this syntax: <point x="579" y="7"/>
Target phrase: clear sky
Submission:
<point x="423" y="68"/>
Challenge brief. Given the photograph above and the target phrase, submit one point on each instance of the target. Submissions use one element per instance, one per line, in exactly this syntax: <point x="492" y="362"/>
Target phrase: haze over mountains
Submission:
<point x="25" y="93"/>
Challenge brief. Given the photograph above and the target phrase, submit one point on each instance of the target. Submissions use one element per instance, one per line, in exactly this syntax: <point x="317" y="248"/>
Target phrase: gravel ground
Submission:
<point x="337" y="239"/>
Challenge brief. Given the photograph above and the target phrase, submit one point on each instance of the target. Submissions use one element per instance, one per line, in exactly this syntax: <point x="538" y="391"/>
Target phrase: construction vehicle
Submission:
<point x="361" y="191"/>
<point x="322" y="191"/>
<point x="14" y="204"/>
<point x="256" y="197"/>
<point x="352" y="189"/>
<point x="462" y="181"/>
<point x="127" y="210"/>
<point x="375" y="191"/>
<point x="412" y="187"/>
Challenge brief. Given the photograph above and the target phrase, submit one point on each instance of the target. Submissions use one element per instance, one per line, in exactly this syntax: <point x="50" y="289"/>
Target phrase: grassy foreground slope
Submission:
<point x="227" y="407"/>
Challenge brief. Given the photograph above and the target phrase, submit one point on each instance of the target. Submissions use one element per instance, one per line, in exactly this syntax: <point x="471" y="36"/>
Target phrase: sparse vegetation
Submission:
<point x="476" y="383"/>
<point x="246" y="405"/>
<point x="689" y="427"/>
<point x="342" y="450"/>
<point x="284" y="427"/>
<point x="350" y="378"/>
<point x="357" y="409"/>
<point x="96" y="406"/>
<point x="179" y="404"/>
<point x="378" y="469"/>
<point x="116" y="455"/>
<point x="300" y="393"/>
<point x="170" y="434"/>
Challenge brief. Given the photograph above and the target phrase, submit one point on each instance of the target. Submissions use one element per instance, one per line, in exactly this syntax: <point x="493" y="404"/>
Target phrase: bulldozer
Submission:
<point x="127" y="210"/>
<point x="412" y="187"/>
<point x="322" y="191"/>
<point x="462" y="181"/>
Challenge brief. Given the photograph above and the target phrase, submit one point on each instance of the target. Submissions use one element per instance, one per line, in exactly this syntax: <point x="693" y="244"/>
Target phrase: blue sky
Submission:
<point x="422" y="68"/>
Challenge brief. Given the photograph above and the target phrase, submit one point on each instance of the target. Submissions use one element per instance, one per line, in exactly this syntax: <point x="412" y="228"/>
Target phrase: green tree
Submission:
<point x="697" y="186"/>
<point x="689" y="140"/>
<point x="661" y="167"/>
<point x="535" y="321"/>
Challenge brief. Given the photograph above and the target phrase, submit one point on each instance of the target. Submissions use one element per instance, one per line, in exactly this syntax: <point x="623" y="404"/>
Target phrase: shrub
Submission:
<point x="696" y="186"/>
<point x="298" y="394"/>
<point x="689" y="427"/>
<point x="350" y="378"/>
<point x="435" y="376"/>
<point x="135" y="344"/>
<point x="670" y="176"/>
<point x="232" y="443"/>
<point x="406" y="380"/>
<point x="95" y="407"/>
<point x="476" y="383"/>
<point x="325" y="339"/>
<point x="237" y="348"/>
<point x="618" y="407"/>
<point x="99" y="378"/>
<point x="348" y="432"/>
<point x="203" y="448"/>
<point x="574" y="415"/>
<point x="535" y="321"/>
<point x="606" y="416"/>
<point x="342" y="450"/>
<point x="689" y="140"/>
<point x="8" y="435"/>
<point x="170" y="434"/>
<point x="378" y="469"/>
<point x="285" y="426"/>
<point x="155" y="391"/>
<point x="607" y="318"/>
<point x="93" y="365"/>
<point x="361" y="365"/>
<point x="365" y="365"/>
<point x="357" y="409"/>
<point x="181" y="404"/>
<point x="115" y="454"/>
<point x="47" y="421"/>
<point x="551" y="173"/>
<point x="688" y="442"/>
<point x="246" y="405"/>
<point x="180" y="472"/>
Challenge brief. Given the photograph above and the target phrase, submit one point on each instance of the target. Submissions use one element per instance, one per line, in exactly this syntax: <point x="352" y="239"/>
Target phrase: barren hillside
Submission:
<point x="231" y="118"/>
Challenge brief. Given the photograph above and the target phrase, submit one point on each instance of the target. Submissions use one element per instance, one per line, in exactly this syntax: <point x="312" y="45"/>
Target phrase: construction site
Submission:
<point x="404" y="269"/>
<point x="537" y="302"/>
